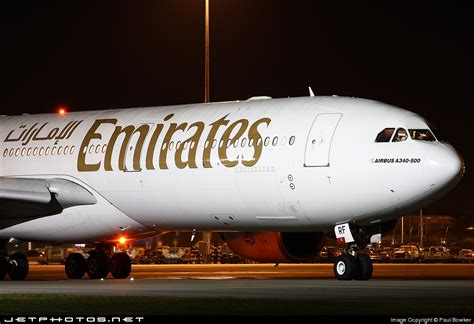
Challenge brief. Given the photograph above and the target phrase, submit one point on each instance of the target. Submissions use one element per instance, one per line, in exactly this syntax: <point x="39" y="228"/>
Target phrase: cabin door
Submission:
<point x="318" y="143"/>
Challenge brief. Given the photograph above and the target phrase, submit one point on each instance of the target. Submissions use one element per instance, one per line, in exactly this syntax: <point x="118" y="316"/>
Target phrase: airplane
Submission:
<point x="273" y="176"/>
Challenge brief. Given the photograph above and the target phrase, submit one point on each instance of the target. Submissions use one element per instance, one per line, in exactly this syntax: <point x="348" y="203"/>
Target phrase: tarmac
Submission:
<point x="452" y="282"/>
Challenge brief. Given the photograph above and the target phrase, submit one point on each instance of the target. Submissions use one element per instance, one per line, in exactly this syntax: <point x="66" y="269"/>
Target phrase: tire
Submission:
<point x="97" y="266"/>
<point x="344" y="267"/>
<point x="4" y="265"/>
<point x="364" y="267"/>
<point x="18" y="266"/>
<point x="120" y="265"/>
<point x="75" y="266"/>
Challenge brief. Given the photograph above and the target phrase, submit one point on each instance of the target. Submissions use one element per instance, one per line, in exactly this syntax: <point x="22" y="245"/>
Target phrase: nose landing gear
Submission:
<point x="348" y="267"/>
<point x="352" y="263"/>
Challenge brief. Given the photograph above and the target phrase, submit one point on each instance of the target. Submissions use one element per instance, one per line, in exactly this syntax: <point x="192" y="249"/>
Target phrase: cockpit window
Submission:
<point x="385" y="135"/>
<point x="400" y="136"/>
<point x="422" y="135"/>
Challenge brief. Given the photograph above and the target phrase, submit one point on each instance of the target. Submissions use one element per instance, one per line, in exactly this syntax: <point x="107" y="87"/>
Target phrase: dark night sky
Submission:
<point x="110" y="54"/>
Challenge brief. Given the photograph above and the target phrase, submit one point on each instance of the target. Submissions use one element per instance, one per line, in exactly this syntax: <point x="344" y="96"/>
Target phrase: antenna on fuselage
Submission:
<point x="311" y="93"/>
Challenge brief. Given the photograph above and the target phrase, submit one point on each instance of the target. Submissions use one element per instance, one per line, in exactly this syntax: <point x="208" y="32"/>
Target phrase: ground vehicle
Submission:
<point x="438" y="253"/>
<point x="407" y="253"/>
<point x="377" y="255"/>
<point x="136" y="255"/>
<point x="329" y="253"/>
<point x="36" y="255"/>
<point x="55" y="254"/>
<point x="174" y="255"/>
<point x="466" y="255"/>
<point x="59" y="254"/>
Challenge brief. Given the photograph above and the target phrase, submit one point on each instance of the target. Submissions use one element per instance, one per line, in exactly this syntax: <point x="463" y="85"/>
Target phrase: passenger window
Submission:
<point x="73" y="148"/>
<point x="5" y="153"/>
<point x="385" y="135"/>
<point x="267" y="140"/>
<point x="29" y="151"/>
<point x="35" y="151"/>
<point x="422" y="135"/>
<point x="244" y="141"/>
<point x="275" y="141"/>
<point x="292" y="140"/>
<point x="400" y="136"/>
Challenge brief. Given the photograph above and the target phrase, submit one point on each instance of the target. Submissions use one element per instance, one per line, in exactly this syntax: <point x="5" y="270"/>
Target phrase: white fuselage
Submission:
<point x="300" y="164"/>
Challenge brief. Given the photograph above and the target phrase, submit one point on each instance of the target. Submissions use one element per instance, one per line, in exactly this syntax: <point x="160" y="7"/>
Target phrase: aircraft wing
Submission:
<point x="24" y="199"/>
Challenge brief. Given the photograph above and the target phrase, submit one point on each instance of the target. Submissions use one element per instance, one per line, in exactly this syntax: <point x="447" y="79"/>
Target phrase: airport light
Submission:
<point x="206" y="236"/>
<point x="206" y="55"/>
<point x="446" y="235"/>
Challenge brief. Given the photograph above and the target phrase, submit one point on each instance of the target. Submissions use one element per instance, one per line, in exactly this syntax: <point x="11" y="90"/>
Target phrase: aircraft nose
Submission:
<point x="443" y="165"/>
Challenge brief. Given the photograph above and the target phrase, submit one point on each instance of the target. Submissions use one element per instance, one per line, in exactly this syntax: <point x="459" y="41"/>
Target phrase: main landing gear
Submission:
<point x="16" y="266"/>
<point x="352" y="263"/>
<point x="100" y="262"/>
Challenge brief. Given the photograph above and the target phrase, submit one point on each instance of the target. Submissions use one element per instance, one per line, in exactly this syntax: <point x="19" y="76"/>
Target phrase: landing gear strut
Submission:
<point x="352" y="263"/>
<point x="100" y="262"/>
